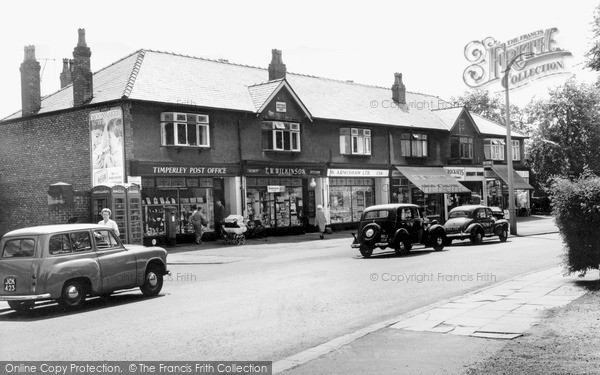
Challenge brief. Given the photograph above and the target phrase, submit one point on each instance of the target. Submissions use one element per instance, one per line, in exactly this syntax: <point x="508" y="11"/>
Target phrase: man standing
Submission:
<point x="219" y="216"/>
<point x="198" y="220"/>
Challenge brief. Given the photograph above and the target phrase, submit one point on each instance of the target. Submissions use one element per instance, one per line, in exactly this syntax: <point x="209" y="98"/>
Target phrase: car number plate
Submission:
<point x="10" y="284"/>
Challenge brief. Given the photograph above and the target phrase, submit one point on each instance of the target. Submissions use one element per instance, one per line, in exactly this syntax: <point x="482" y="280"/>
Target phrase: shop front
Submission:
<point x="497" y="188"/>
<point x="431" y="188"/>
<point x="282" y="199"/>
<point x="169" y="193"/>
<point x="353" y="190"/>
<point x="473" y="178"/>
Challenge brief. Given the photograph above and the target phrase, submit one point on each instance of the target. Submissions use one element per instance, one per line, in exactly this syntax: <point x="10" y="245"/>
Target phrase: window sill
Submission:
<point x="285" y="151"/>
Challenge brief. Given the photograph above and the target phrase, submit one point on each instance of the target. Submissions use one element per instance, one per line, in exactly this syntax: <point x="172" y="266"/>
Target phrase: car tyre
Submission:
<point x="21" y="306"/>
<point x="153" y="282"/>
<point x="366" y="251"/>
<point x="73" y="295"/>
<point x="503" y="235"/>
<point x="477" y="237"/>
<point x="370" y="234"/>
<point x="437" y="242"/>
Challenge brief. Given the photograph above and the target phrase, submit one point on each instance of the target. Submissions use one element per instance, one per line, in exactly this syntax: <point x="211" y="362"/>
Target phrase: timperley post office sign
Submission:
<point x="536" y="56"/>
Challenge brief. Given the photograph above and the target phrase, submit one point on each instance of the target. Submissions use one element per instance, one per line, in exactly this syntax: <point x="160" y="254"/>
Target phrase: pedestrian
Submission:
<point x="219" y="216"/>
<point x="198" y="221"/>
<point x="108" y="222"/>
<point x="321" y="220"/>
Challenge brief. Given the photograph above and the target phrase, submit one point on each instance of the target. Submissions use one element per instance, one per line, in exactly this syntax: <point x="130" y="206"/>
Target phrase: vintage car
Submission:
<point x="68" y="262"/>
<point x="397" y="226"/>
<point x="474" y="222"/>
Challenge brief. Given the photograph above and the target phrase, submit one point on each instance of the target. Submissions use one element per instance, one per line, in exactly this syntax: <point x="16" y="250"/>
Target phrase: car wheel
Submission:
<point x="366" y="251"/>
<point x="21" y="306"/>
<point x="370" y="234"/>
<point x="503" y="235"/>
<point x="73" y="295"/>
<point x="477" y="237"/>
<point x="447" y="241"/>
<point x="153" y="282"/>
<point x="438" y="242"/>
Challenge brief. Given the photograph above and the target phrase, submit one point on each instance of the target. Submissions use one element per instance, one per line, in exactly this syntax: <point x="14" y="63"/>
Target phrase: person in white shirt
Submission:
<point x="107" y="222"/>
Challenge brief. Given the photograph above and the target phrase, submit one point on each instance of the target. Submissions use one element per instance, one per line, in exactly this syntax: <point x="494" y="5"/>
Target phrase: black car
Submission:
<point x="397" y="226"/>
<point x="474" y="222"/>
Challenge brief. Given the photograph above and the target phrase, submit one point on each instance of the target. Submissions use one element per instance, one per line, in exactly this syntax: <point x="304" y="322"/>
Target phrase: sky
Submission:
<point x="366" y="42"/>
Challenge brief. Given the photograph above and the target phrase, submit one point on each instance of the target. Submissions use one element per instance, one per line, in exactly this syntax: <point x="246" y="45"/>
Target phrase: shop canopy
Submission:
<point x="519" y="183"/>
<point x="432" y="180"/>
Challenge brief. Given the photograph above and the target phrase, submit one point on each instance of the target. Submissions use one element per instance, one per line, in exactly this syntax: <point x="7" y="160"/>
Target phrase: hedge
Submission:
<point x="576" y="207"/>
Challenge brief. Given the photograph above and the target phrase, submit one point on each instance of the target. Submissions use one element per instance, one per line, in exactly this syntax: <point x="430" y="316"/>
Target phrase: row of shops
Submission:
<point x="162" y="200"/>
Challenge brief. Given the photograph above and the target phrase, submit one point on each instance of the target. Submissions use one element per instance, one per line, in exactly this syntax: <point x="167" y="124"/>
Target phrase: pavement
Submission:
<point x="441" y="338"/>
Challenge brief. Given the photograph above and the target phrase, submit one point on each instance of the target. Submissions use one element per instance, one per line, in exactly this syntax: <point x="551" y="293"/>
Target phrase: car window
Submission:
<point x="59" y="244"/>
<point x="382" y="214"/>
<point x="105" y="239"/>
<point x="406" y="214"/>
<point x="81" y="241"/>
<point x="21" y="247"/>
<point x="482" y="213"/>
<point x="456" y="214"/>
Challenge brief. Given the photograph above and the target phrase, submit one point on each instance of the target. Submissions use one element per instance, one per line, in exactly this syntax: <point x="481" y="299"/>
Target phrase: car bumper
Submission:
<point x="458" y="235"/>
<point x="29" y="297"/>
<point x="378" y="244"/>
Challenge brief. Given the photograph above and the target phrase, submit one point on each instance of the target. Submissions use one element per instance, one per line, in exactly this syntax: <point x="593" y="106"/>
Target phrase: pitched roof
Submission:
<point x="166" y="77"/>
<point x="485" y="126"/>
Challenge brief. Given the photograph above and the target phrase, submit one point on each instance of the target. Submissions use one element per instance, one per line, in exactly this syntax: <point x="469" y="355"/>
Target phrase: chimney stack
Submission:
<point x="276" y="67"/>
<point x="81" y="73"/>
<point x="31" y="97"/>
<point x="65" y="76"/>
<point x="398" y="89"/>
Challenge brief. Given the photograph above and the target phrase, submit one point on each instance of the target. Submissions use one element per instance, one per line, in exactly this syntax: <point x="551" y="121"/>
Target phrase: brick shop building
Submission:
<point x="155" y="133"/>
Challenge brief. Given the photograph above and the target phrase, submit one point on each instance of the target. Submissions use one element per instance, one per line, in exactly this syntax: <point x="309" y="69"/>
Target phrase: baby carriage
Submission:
<point x="233" y="229"/>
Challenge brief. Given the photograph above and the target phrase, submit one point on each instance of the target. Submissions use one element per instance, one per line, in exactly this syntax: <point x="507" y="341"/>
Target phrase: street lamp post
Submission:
<point x="509" y="157"/>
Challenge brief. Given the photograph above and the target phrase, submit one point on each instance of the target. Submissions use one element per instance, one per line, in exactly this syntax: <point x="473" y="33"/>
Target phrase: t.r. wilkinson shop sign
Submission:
<point x="535" y="56"/>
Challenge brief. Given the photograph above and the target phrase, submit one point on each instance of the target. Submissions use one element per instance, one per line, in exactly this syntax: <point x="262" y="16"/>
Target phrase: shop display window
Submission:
<point x="182" y="193"/>
<point x="348" y="198"/>
<point x="276" y="209"/>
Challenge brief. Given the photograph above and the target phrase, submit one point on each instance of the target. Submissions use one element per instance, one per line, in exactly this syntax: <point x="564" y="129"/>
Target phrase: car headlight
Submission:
<point x="370" y="232"/>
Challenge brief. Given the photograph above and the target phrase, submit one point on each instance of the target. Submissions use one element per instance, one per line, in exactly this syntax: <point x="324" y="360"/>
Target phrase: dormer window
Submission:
<point x="281" y="136"/>
<point x="184" y="129"/>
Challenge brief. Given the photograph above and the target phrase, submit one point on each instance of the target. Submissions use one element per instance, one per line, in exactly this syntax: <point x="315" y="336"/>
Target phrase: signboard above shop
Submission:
<point x="358" y="172"/>
<point x="299" y="171"/>
<point x="159" y="169"/>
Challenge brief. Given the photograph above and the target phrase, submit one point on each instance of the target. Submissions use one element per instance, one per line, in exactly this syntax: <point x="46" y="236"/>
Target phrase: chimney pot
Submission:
<point x="81" y="74"/>
<point x="65" y="76"/>
<point x="277" y="68"/>
<point x="31" y="98"/>
<point x="398" y="89"/>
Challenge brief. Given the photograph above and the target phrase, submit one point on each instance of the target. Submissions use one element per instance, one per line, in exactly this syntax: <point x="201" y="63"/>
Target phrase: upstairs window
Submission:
<point x="461" y="147"/>
<point x="493" y="149"/>
<point x="184" y="130"/>
<point x="413" y="145"/>
<point x="355" y="141"/>
<point x="281" y="136"/>
<point x="516" y="150"/>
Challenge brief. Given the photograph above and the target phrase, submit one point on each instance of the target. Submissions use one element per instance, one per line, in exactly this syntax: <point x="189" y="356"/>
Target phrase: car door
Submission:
<point x="117" y="264"/>
<point x="485" y="218"/>
<point x="16" y="265"/>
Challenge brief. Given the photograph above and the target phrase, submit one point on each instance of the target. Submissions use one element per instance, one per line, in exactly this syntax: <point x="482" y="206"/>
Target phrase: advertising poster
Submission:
<point x="106" y="140"/>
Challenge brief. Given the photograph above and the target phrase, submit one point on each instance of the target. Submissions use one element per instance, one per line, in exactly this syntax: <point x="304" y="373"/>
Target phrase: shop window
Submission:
<point x="281" y="207"/>
<point x="281" y="136"/>
<point x="349" y="197"/>
<point x="355" y="141"/>
<point x="413" y="145"/>
<point x="184" y="130"/>
<point x="516" y="151"/>
<point x="461" y="147"/>
<point x="493" y="149"/>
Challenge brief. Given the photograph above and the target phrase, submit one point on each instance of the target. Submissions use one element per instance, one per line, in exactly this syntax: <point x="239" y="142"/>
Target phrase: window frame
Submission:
<point x="516" y="149"/>
<point x="494" y="149"/>
<point x="176" y="129"/>
<point x="281" y="136"/>
<point x="414" y="145"/>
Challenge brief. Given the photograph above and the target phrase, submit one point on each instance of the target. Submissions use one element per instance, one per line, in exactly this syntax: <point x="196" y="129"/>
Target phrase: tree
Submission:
<point x="493" y="107"/>
<point x="566" y="132"/>
<point x="593" y="54"/>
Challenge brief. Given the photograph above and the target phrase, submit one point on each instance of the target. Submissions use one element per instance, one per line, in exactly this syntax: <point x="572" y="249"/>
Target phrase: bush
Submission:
<point x="576" y="206"/>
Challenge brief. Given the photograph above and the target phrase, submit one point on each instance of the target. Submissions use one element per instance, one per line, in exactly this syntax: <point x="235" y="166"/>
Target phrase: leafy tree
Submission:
<point x="566" y="135"/>
<point x="593" y="54"/>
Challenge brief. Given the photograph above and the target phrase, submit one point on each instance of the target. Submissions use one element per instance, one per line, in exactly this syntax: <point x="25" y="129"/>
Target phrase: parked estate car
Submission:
<point x="397" y="226"/>
<point x="474" y="222"/>
<point x="68" y="262"/>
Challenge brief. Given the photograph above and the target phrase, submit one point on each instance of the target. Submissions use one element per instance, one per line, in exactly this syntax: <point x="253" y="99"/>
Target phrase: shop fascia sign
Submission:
<point x="185" y="170"/>
<point x="282" y="171"/>
<point x="540" y="58"/>
<point x="358" y="173"/>
<point x="275" y="189"/>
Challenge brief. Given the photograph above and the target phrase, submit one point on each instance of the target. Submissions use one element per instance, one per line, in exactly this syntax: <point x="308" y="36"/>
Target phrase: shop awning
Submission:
<point x="432" y="180"/>
<point x="519" y="182"/>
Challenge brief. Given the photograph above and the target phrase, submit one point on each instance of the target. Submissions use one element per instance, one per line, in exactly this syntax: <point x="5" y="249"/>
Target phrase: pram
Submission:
<point x="233" y="230"/>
